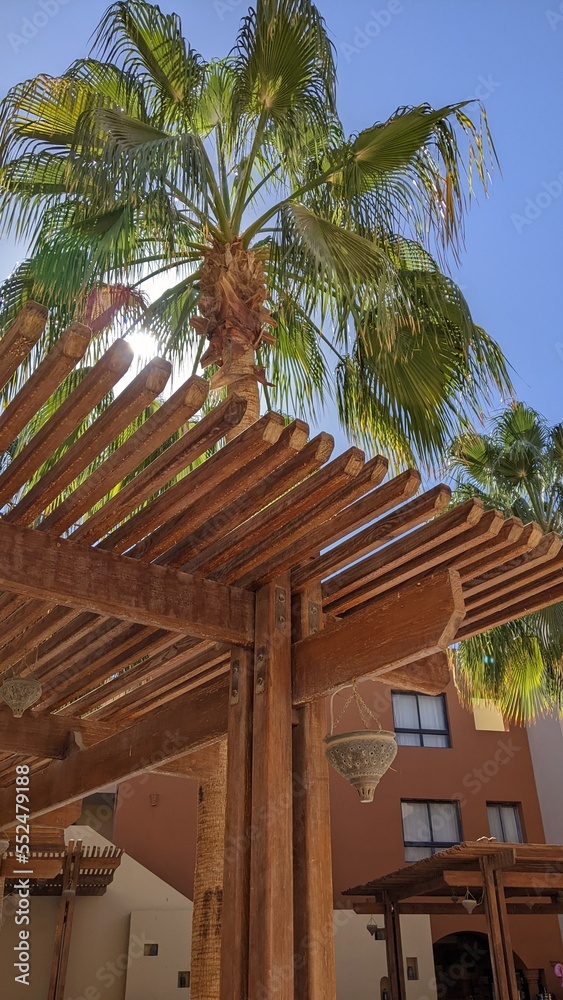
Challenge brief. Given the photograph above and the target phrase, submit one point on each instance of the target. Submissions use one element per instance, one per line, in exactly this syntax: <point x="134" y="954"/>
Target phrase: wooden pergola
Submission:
<point x="503" y="878"/>
<point x="178" y="611"/>
<point x="65" y="871"/>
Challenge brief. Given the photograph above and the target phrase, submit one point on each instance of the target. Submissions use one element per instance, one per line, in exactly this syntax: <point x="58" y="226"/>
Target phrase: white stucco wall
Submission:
<point x="98" y="960"/>
<point x="361" y="963"/>
<point x="545" y="738"/>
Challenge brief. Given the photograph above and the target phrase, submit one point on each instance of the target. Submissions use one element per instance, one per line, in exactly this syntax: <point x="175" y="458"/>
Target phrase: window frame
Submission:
<point x="433" y="846"/>
<point x="421" y="732"/>
<point x="517" y="806"/>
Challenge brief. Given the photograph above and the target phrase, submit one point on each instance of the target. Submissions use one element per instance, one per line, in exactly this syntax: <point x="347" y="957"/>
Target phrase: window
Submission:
<point x="150" y="950"/>
<point x="420" y="720"/>
<point x="184" y="980"/>
<point x="504" y="822"/>
<point x="429" y="827"/>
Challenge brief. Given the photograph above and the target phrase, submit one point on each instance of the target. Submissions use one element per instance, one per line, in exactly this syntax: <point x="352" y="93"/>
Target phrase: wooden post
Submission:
<point x="494" y="929"/>
<point x="271" y="863"/>
<point x="208" y="882"/>
<point x="513" y="993"/>
<point x="236" y="879"/>
<point x="61" y="949"/>
<point x="394" y="949"/>
<point x="315" y="977"/>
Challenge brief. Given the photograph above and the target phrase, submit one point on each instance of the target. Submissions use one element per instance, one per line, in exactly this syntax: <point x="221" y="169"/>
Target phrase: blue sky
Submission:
<point x="508" y="52"/>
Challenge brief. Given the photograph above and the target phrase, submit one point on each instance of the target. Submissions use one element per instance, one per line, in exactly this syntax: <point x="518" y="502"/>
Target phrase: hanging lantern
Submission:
<point x="20" y="693"/>
<point x="372" y="928"/>
<point x="362" y="756"/>
<point x="4" y="845"/>
<point x="469" y="903"/>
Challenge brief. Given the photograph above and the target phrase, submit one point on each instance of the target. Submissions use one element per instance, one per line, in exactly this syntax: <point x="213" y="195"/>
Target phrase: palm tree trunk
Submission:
<point x="208" y="882"/>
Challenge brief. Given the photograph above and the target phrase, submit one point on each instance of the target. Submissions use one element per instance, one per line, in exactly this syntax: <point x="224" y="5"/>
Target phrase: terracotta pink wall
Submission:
<point x="368" y="839"/>
<point x="161" y="837"/>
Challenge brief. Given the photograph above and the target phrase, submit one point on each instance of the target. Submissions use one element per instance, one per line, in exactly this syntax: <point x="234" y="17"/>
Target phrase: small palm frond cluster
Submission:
<point x="518" y="469"/>
<point x="139" y="158"/>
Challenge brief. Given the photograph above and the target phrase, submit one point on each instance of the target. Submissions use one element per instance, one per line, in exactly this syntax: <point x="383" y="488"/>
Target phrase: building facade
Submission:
<point x="458" y="775"/>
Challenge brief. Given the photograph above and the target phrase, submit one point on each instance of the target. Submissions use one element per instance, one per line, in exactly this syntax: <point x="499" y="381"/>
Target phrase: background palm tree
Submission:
<point x="289" y="246"/>
<point x="518" y="469"/>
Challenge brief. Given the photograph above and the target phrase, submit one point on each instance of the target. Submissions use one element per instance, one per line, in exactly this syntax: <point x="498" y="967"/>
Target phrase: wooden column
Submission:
<point x="315" y="977"/>
<point x="236" y="879"/>
<point x="61" y="948"/>
<point x="271" y="863"/>
<point x="394" y="950"/>
<point x="495" y="931"/>
<point x="208" y="882"/>
<point x="513" y="993"/>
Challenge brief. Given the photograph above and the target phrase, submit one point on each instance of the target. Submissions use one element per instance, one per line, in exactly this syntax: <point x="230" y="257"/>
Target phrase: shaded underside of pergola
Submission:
<point x="503" y="878"/>
<point x="178" y="594"/>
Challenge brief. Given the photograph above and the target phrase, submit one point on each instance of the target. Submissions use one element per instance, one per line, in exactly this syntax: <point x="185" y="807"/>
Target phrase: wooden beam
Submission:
<point x="17" y="341"/>
<point x="235" y="929"/>
<point x="315" y="976"/>
<point x="189" y="723"/>
<point x="46" y="735"/>
<point x="394" y="950"/>
<point x="413" y="622"/>
<point x="59" y="362"/>
<point x="61" y="950"/>
<point x="431" y="675"/>
<point x="446" y="908"/>
<point x="34" y="565"/>
<point x="505" y="985"/>
<point x="271" y="861"/>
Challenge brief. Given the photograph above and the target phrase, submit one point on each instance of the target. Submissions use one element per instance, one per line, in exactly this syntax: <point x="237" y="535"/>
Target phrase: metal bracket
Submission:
<point x="314" y="617"/>
<point x="261" y="670"/>
<point x="235" y="678"/>
<point x="280" y="614"/>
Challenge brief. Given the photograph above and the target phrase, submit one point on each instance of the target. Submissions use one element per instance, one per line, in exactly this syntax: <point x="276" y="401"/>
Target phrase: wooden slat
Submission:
<point x="513" y="540"/>
<point x="270" y="527"/>
<point x="163" y="513"/>
<point x="417" y="620"/>
<point x="59" y="362"/>
<point x="271" y="862"/>
<point x="178" y="457"/>
<point x="523" y="601"/>
<point x="139" y="394"/>
<point x="174" y="413"/>
<point x="390" y="568"/>
<point x="378" y="534"/>
<point x="205" y="549"/>
<point x="16" y="342"/>
<point x="297" y="541"/>
<point x="528" y="567"/>
<point x="91" y="390"/>
<point x="504" y="978"/>
<point x="92" y="580"/>
<point x="187" y="725"/>
<point x="418" y="543"/>
<point x="258" y="463"/>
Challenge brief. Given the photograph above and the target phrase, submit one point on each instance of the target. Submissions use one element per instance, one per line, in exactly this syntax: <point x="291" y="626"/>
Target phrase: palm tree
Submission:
<point x="287" y="245"/>
<point x="518" y="469"/>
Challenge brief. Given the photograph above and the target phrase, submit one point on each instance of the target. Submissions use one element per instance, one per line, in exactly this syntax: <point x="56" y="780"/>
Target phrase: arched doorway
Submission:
<point x="464" y="971"/>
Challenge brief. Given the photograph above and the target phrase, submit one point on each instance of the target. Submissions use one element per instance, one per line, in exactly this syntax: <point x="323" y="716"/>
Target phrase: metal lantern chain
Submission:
<point x="20" y="693"/>
<point x="362" y="756"/>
